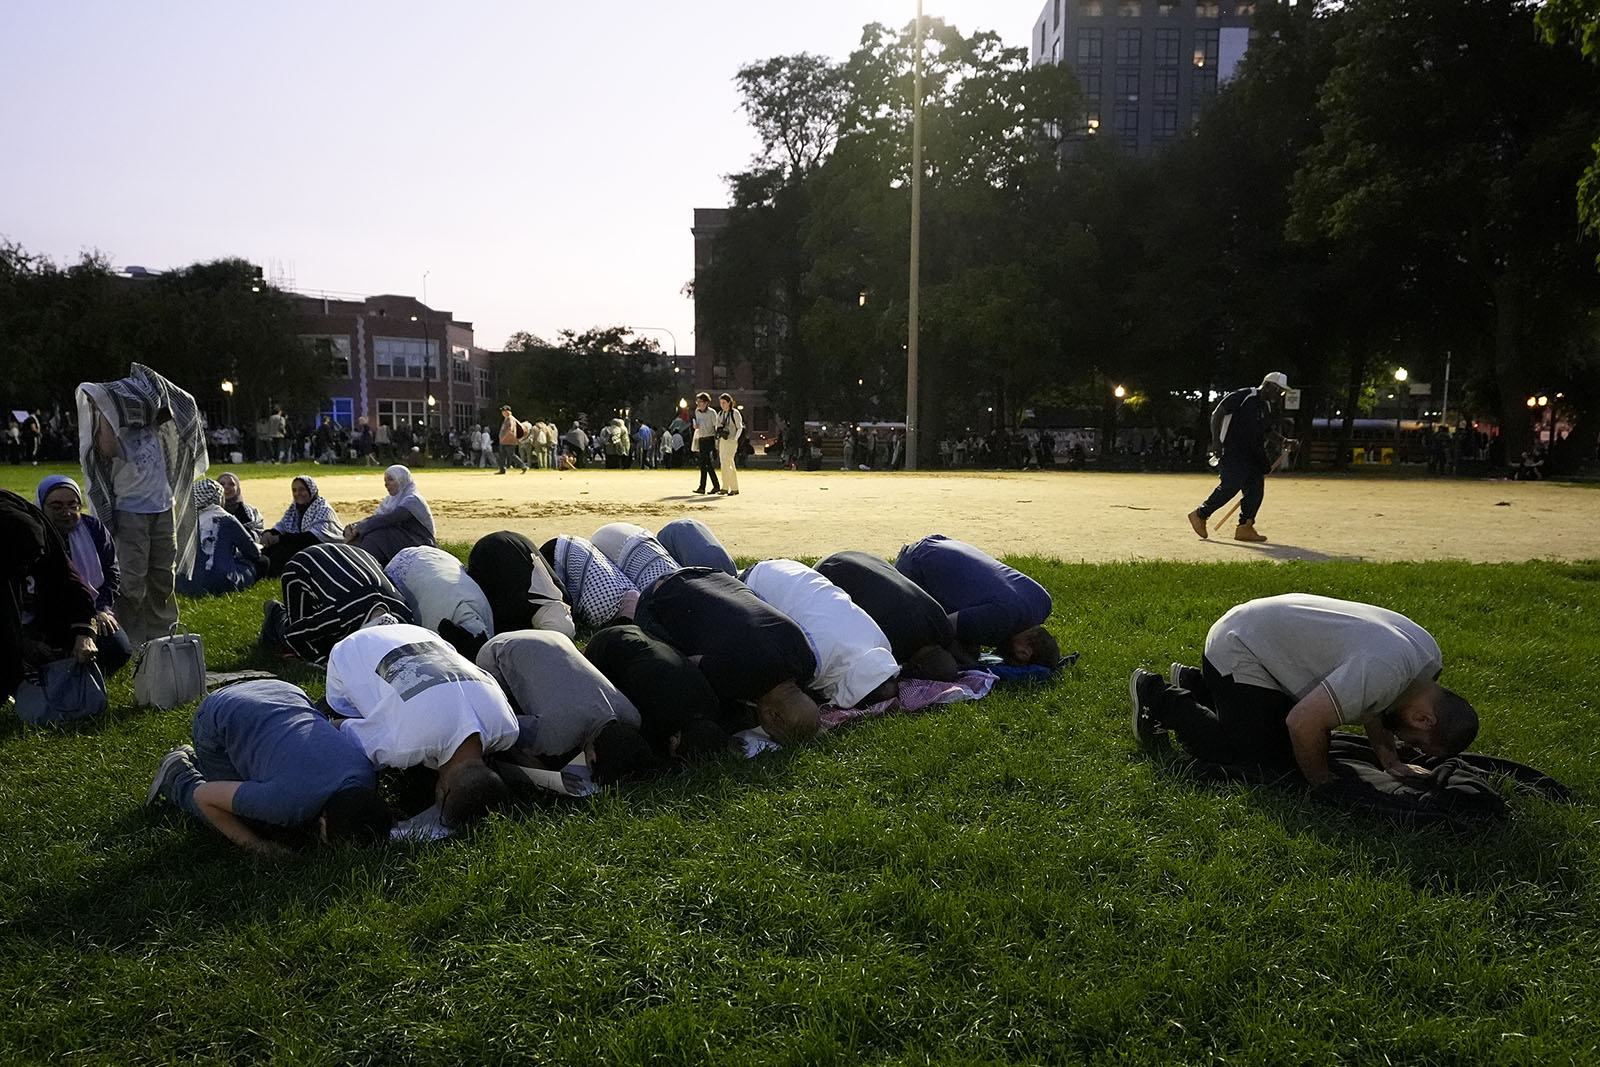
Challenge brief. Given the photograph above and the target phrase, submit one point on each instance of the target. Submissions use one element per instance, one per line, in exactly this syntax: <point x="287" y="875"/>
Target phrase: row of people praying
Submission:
<point x="456" y="667"/>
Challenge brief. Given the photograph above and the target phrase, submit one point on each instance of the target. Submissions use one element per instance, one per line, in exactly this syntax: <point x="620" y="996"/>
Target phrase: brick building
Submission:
<point x="390" y="354"/>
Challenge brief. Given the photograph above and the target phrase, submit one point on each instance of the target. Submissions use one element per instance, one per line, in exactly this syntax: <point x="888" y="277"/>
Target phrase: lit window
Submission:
<point x="401" y="357"/>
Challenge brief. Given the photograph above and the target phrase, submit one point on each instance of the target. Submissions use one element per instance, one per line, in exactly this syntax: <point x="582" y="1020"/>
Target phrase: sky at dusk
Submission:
<point x="539" y="162"/>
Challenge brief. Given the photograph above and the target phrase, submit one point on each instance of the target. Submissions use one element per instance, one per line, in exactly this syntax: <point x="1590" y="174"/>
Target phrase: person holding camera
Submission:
<point x="730" y="427"/>
<point x="705" y="441"/>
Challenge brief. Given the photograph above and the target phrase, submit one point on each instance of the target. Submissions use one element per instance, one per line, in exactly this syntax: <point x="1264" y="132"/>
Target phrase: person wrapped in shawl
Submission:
<point x="142" y="446"/>
<point x="309" y="521"/>
<point x="94" y="557"/>
<point x="228" y="559"/>
<point x="636" y="552"/>
<point x="403" y="519"/>
<point x="595" y="587"/>
<point x="443" y="597"/>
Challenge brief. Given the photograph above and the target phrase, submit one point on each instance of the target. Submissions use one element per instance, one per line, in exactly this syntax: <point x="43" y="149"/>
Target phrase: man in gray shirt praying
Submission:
<point x="1281" y="673"/>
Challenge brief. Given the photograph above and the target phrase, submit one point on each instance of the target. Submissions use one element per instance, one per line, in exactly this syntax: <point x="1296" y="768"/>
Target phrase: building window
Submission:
<point x="1130" y="9"/>
<point x="342" y="410"/>
<point x="461" y="371"/>
<point x="1165" y="85"/>
<point x="1089" y="47"/>
<point x="483" y="383"/>
<point x="335" y="348"/>
<point x="1127" y="85"/>
<point x="1164" y="122"/>
<point x="1205" y="9"/>
<point x="401" y="357"/>
<point x="1089" y="82"/>
<point x="1055" y="51"/>
<point x="400" y="413"/>
<point x="1128" y="47"/>
<point x="1041" y="38"/>
<point x="1169" y="44"/>
<point x="1245" y="8"/>
<point x="1057" y="6"/>
<point x="1088" y="9"/>
<point x="1125" y="124"/>
<point x="1205" y="50"/>
<point x="462" y="416"/>
<point x="1167" y="8"/>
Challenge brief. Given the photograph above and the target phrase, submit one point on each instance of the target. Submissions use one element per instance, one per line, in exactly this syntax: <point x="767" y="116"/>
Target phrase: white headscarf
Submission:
<point x="406" y="497"/>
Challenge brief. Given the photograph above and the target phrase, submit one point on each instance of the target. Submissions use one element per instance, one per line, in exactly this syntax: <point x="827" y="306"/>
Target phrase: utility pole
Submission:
<point x="913" y="311"/>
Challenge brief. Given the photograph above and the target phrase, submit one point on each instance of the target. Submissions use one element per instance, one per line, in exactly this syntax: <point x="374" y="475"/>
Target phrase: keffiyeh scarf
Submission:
<point x="143" y="400"/>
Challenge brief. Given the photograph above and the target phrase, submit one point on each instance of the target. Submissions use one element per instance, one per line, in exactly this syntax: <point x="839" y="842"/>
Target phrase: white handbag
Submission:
<point x="171" y="670"/>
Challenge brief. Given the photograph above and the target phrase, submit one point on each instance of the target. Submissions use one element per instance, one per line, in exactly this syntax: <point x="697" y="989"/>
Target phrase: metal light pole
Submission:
<point x="913" y="310"/>
<point x="427" y="350"/>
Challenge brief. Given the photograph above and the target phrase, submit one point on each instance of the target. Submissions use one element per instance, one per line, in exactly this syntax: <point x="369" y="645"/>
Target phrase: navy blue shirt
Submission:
<point x="289" y="759"/>
<point x="985" y="599"/>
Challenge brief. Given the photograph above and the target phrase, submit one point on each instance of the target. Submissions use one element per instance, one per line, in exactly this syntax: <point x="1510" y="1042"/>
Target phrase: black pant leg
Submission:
<point x="1244" y="724"/>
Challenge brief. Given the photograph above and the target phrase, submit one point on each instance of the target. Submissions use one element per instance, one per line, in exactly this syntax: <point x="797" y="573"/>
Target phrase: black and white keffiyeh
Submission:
<point x="144" y="400"/>
<point x="594" y="585"/>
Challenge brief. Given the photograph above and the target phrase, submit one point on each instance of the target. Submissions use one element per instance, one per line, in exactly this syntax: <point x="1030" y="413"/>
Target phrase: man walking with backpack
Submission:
<point x="1240" y="425"/>
<point x="511" y="432"/>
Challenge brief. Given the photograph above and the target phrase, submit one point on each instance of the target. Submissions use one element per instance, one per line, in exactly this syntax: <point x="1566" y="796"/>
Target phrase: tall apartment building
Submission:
<point x="1147" y="67"/>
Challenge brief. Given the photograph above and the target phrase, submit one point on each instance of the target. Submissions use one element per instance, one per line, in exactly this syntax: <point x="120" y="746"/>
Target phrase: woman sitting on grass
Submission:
<point x="234" y="504"/>
<point x="403" y="520"/>
<point x="93" y="554"/>
<point x="309" y="521"/>
<point x="228" y="560"/>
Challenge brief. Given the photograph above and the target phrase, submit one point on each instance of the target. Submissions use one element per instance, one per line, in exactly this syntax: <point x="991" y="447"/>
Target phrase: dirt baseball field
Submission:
<point x="1072" y="516"/>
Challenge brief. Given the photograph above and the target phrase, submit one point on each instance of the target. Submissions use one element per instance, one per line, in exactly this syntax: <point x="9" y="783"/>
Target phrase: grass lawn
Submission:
<point x="1003" y="881"/>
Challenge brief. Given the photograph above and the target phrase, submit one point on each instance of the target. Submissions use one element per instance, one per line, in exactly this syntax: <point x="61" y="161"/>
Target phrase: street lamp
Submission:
<point x="227" y="389"/>
<point x="427" y="350"/>
<point x="1400" y="375"/>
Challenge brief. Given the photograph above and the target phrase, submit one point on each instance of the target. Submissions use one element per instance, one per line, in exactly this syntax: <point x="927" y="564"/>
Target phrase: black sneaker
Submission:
<point x="1143" y="686"/>
<point x="161" y="783"/>
<point x="274" y="616"/>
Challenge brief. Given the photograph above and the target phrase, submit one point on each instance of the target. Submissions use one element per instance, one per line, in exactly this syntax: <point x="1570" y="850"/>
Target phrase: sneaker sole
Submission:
<point x="1176" y="674"/>
<point x="156" y="783"/>
<point x="1133" y="699"/>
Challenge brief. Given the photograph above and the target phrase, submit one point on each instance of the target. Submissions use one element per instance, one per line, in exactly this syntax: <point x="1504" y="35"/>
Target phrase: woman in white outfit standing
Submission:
<point x="730" y="427"/>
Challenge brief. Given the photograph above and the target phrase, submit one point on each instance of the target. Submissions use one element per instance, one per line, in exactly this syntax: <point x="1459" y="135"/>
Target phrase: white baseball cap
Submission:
<point x="1278" y="378"/>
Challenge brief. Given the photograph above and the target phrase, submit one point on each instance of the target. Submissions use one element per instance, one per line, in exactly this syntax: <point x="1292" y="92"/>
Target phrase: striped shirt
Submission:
<point x="328" y="592"/>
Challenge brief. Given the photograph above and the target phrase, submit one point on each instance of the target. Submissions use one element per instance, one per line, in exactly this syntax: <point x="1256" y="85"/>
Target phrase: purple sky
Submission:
<point x="539" y="161"/>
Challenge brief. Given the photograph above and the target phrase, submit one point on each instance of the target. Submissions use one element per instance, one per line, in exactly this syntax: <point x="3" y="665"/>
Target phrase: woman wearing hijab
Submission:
<point x="730" y="427"/>
<point x="309" y="521"/>
<point x="46" y="608"/>
<point x="93" y="555"/>
<point x="234" y="504"/>
<point x="402" y="521"/>
<point x="228" y="558"/>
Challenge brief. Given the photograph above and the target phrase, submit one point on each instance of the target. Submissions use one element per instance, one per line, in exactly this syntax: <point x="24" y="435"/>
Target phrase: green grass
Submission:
<point x="1002" y="881"/>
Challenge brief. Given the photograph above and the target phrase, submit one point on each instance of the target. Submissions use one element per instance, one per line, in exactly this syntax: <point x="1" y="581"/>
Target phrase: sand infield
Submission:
<point x="1073" y="516"/>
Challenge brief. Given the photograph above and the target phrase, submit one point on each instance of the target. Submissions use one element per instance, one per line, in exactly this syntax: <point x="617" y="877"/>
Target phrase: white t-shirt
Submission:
<point x="413" y="699"/>
<point x="436" y="587"/>
<point x="1365" y="657"/>
<point x="139" y="474"/>
<point x="853" y="656"/>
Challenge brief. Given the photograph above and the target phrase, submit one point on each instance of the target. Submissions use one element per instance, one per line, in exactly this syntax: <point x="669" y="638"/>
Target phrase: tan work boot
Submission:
<point x="1247" y="532"/>
<point x="1198" y="524"/>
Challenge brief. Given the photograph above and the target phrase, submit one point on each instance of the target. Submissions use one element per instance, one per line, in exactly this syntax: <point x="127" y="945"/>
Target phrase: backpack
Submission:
<point x="170" y="670"/>
<point x="1457" y="790"/>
